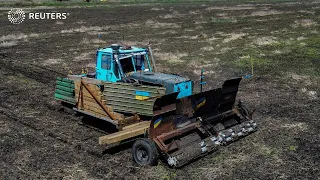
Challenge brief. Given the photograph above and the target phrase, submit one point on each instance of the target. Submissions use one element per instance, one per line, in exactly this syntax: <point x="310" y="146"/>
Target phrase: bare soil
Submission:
<point x="39" y="140"/>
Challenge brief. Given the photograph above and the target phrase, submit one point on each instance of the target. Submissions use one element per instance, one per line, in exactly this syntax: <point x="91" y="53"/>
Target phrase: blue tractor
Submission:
<point x="136" y="65"/>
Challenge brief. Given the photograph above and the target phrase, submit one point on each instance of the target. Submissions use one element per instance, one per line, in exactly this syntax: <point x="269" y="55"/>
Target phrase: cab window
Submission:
<point x="106" y="61"/>
<point x="139" y="62"/>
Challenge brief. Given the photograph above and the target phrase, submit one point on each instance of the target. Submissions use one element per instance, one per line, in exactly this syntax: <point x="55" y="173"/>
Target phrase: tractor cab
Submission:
<point x="131" y="64"/>
<point x="117" y="62"/>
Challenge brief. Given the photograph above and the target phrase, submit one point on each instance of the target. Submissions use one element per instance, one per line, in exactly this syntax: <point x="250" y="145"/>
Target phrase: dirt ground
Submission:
<point x="39" y="141"/>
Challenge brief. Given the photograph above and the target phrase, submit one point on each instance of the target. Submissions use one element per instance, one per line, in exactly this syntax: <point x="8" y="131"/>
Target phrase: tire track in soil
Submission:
<point x="43" y="132"/>
<point x="40" y="75"/>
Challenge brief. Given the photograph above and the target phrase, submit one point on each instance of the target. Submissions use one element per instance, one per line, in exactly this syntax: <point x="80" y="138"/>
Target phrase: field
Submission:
<point x="38" y="140"/>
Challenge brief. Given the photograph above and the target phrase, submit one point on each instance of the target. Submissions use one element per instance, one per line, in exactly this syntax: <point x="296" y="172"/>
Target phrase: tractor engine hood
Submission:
<point x="169" y="81"/>
<point x="158" y="78"/>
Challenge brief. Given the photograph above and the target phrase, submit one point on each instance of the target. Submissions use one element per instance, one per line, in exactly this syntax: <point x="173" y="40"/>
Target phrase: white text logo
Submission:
<point x="16" y="16"/>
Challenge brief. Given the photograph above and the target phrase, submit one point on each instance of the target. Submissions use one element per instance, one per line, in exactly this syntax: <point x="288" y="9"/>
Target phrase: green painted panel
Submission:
<point x="63" y="88"/>
<point x="128" y="92"/>
<point x="122" y="97"/>
<point x="66" y="98"/>
<point x="65" y="84"/>
<point x="130" y="87"/>
<point x="130" y="105"/>
<point x="65" y="80"/>
<point x="127" y="96"/>
<point x="130" y="100"/>
<point x="65" y="93"/>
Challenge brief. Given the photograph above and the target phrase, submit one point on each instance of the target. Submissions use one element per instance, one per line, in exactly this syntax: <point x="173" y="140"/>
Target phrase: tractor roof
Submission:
<point x="123" y="50"/>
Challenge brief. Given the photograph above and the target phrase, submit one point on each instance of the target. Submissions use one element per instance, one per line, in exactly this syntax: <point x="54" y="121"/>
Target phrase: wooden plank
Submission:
<point x="99" y="110"/>
<point x="122" y="135"/>
<point x="91" y="108"/>
<point x="87" y="98"/>
<point x="135" y="125"/>
<point x="92" y="104"/>
<point x="65" y="93"/>
<point x="93" y="87"/>
<point x="93" y="115"/>
<point x="92" y="80"/>
<point x="86" y="93"/>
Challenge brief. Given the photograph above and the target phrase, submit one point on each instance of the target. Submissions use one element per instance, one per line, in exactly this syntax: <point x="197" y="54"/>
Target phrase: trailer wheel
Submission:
<point x="144" y="152"/>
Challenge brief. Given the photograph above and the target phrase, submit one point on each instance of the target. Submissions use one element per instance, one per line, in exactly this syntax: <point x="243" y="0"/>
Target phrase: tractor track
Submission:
<point x="35" y="72"/>
<point x="42" y="132"/>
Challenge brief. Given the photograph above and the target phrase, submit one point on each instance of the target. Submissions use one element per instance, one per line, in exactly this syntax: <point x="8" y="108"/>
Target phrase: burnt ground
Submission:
<point x="40" y="141"/>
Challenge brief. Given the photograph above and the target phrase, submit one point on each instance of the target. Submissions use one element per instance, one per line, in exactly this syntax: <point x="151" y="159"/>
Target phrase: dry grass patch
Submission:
<point x="306" y="80"/>
<point x="157" y="9"/>
<point x="168" y="32"/>
<point x="4" y="128"/>
<point x="304" y="23"/>
<point x="170" y="57"/>
<point x="195" y="12"/>
<point x="229" y="8"/>
<point x="13" y="37"/>
<point x="75" y="172"/>
<point x="84" y="56"/>
<point x="310" y="94"/>
<point x="59" y="23"/>
<point x="156" y="24"/>
<point x="8" y="43"/>
<point x="234" y="36"/>
<point x="197" y="65"/>
<point x="299" y="126"/>
<point x="86" y="29"/>
<point x="92" y="41"/>
<point x="307" y="12"/>
<point x="268" y="40"/>
<point x="52" y="61"/>
<point x="207" y="48"/>
<point x="266" y="13"/>
<point x="174" y="14"/>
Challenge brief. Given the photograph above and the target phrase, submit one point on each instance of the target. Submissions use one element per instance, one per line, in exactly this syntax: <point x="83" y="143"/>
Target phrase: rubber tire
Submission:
<point x="149" y="147"/>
